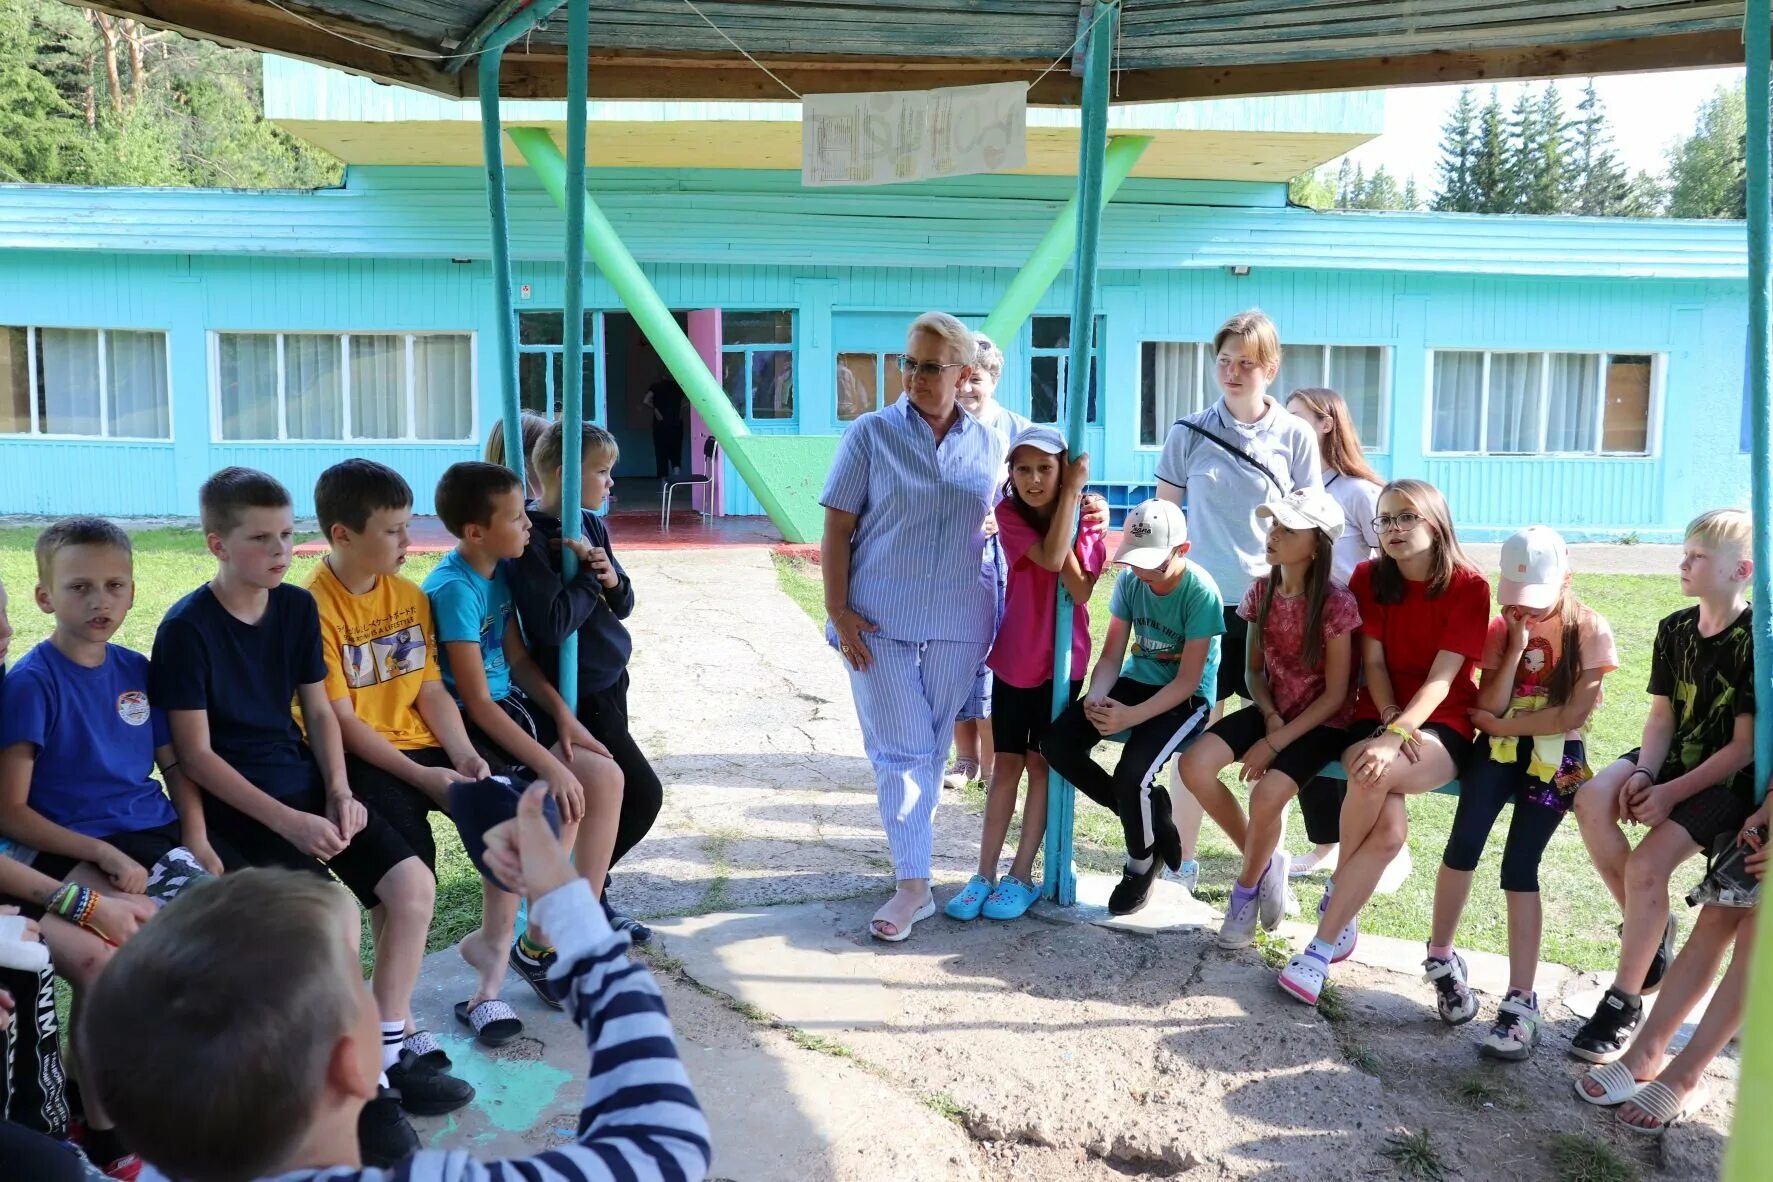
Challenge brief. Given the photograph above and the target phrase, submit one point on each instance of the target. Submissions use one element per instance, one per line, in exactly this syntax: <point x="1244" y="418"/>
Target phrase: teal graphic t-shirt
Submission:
<point x="1162" y="624"/>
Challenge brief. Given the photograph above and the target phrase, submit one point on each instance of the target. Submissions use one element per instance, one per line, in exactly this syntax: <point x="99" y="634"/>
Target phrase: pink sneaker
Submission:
<point x="1304" y="978"/>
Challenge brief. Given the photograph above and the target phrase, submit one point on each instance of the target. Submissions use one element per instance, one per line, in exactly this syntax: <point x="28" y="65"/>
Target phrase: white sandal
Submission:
<point x="1657" y="1101"/>
<point x="1618" y="1081"/>
<point x="924" y="912"/>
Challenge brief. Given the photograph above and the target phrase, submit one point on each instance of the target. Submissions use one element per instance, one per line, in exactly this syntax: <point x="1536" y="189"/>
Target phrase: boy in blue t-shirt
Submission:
<point x="79" y="740"/>
<point x="228" y="659"/>
<point x="515" y="718"/>
<point x="1171" y="610"/>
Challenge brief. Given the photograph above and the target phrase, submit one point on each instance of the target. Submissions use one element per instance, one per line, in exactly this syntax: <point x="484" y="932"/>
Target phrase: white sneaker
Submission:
<point x="1453" y="998"/>
<point x="1272" y="892"/>
<point x="1322" y="859"/>
<point x="1188" y="875"/>
<point x="1239" y="928"/>
<point x="1395" y="874"/>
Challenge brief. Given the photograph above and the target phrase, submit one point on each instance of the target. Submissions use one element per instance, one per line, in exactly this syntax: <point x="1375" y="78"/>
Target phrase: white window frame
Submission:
<point x="1204" y="350"/>
<point x="1652" y="428"/>
<point x="104" y="436"/>
<point x="408" y="338"/>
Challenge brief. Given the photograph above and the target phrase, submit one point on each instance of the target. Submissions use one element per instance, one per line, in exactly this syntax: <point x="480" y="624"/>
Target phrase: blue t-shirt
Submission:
<point x="95" y="738"/>
<point x="467" y="606"/>
<point x="244" y="676"/>
<point x="1162" y="624"/>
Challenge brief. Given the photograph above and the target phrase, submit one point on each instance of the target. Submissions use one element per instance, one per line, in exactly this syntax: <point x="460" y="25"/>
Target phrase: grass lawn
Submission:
<point x="169" y="563"/>
<point x="1579" y="914"/>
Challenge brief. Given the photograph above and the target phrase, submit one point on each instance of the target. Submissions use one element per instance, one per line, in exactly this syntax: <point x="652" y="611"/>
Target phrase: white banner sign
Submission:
<point x="912" y="135"/>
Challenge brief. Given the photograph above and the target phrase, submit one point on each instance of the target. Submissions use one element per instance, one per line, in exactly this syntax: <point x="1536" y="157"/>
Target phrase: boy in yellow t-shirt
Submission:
<point x="403" y="736"/>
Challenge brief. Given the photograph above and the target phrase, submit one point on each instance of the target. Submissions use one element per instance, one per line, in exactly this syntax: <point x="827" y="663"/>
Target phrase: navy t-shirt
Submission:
<point x="245" y="676"/>
<point x="95" y="737"/>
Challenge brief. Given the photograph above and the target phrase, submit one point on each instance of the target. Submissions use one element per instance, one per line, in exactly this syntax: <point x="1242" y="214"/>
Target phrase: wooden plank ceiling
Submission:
<point x="1168" y="49"/>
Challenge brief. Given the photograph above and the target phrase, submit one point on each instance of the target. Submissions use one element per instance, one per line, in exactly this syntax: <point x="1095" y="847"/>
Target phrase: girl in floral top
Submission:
<point x="1298" y="661"/>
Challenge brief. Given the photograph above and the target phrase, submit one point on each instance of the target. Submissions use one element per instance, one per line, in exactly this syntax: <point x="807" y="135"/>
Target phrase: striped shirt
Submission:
<point x="915" y="558"/>
<point x="640" y="1122"/>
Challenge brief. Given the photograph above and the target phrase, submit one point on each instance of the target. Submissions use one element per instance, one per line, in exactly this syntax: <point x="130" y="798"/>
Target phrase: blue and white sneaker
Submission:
<point x="1188" y="874"/>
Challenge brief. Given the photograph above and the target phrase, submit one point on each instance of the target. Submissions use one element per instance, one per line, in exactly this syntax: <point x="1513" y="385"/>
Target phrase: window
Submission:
<point x="95" y="383"/>
<point x="1176" y="379"/>
<point x="1520" y="403"/>
<point x="865" y="382"/>
<point x="1049" y="362"/>
<point x="541" y="362"/>
<point x="1174" y="383"/>
<point x="330" y="386"/>
<point x="757" y="363"/>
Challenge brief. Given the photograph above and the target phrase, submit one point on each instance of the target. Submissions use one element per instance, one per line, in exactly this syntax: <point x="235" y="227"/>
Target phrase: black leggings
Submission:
<point x="605" y="714"/>
<point x="1483" y="789"/>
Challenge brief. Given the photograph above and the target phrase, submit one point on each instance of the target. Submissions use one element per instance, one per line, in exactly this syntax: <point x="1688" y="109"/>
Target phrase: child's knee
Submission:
<point x="1390" y="831"/>
<point x="598" y="773"/>
<point x="408" y="892"/>
<point x="1270" y="797"/>
<point x="1647" y="871"/>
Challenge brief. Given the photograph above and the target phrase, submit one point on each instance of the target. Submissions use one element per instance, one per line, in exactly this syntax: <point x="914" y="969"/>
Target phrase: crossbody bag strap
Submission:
<point x="1239" y="452"/>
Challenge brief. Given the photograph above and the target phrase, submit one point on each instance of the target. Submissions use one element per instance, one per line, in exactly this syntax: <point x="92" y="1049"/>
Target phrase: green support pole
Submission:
<point x="1060" y="880"/>
<point x="1055" y="249"/>
<point x="655" y="320"/>
<point x="572" y="411"/>
<point x="1751" y="1142"/>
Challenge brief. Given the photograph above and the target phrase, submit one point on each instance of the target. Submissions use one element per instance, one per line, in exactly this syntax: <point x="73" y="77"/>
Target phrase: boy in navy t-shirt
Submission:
<point x="228" y="658"/>
<point x="79" y="739"/>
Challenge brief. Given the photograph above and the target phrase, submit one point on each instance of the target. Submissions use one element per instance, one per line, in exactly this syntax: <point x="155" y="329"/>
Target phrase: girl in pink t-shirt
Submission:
<point x="1298" y="665"/>
<point x="1034" y="527"/>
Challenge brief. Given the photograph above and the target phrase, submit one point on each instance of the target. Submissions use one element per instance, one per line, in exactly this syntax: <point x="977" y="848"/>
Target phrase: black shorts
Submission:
<point x="1708" y="813"/>
<point x="1299" y="761"/>
<point x="533" y="722"/>
<point x="361" y="866"/>
<point x="1457" y="745"/>
<point x="1020" y="717"/>
<point x="144" y="847"/>
<point x="404" y="807"/>
<point x="1233" y="659"/>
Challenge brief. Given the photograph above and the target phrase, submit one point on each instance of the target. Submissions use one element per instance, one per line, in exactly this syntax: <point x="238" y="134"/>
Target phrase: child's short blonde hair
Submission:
<point x="1723" y="531"/>
<point x="989" y="357"/>
<point x="1256" y="332"/>
<point x="952" y="332"/>
<point x="549" y="452"/>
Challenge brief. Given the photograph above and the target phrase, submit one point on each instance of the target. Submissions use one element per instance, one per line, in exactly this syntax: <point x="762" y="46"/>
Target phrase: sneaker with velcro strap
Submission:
<point x="1516" y="1031"/>
<point x="1606" y="1035"/>
<point x="1453" y="999"/>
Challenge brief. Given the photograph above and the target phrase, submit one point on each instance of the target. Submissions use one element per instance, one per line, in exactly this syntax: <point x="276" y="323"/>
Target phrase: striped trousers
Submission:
<point x="906" y="702"/>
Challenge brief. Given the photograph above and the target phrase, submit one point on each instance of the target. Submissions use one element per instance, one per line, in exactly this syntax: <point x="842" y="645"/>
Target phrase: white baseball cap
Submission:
<point x="1307" y="508"/>
<point x="1042" y="438"/>
<point x="1150" y="534"/>
<point x="1534" y="565"/>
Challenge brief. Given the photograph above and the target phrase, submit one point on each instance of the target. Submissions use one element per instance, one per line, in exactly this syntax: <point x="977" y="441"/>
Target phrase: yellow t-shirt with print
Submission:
<point x="380" y="649"/>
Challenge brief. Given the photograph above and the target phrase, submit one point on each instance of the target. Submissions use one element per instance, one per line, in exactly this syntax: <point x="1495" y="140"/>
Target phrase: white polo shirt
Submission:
<point x="1222" y="492"/>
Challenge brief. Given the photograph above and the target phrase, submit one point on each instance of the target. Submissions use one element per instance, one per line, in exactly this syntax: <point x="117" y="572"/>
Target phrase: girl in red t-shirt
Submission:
<point x="1425" y="612"/>
<point x="1034" y="526"/>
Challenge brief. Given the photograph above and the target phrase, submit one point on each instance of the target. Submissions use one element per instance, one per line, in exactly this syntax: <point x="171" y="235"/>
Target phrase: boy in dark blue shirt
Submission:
<point x="593" y="605"/>
<point x="227" y="660"/>
<point x="79" y="739"/>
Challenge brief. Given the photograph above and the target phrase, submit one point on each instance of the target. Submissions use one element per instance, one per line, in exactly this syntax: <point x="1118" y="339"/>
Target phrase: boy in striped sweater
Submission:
<point x="221" y="1063"/>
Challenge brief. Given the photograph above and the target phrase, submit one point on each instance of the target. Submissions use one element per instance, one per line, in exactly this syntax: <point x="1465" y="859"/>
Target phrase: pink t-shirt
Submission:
<point x="1023" y="653"/>
<point x="1545" y="644"/>
<point x="1294" y="684"/>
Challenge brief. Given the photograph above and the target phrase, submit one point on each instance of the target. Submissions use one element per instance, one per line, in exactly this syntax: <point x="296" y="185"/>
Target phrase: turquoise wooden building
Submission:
<point x="1586" y="374"/>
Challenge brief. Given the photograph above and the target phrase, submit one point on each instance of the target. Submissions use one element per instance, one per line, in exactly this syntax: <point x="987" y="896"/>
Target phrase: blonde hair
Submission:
<point x="530" y="424"/>
<point x="989" y="357"/>
<point x="1723" y="529"/>
<point x="548" y="453"/>
<point x="1257" y="333"/>
<point x="951" y="331"/>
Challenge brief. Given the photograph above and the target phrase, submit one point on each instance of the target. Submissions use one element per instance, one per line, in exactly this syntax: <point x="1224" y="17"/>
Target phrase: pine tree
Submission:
<point x="1523" y="159"/>
<point x="1459" y="145"/>
<point x="1708" y="169"/>
<point x="1344" y="182"/>
<point x="1314" y="190"/>
<point x="1642" y="197"/>
<point x="1488" y="186"/>
<point x="1550" y="191"/>
<point x="1382" y="191"/>
<point x="1598" y="185"/>
<point x="1412" y="199"/>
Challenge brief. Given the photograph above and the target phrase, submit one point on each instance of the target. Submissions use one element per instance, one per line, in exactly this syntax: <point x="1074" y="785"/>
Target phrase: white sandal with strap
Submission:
<point x="1657" y="1101"/>
<point x="928" y="909"/>
<point x="1618" y="1081"/>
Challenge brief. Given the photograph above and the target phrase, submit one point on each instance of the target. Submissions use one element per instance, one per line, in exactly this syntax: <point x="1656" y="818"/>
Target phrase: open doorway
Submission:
<point x="647" y="413"/>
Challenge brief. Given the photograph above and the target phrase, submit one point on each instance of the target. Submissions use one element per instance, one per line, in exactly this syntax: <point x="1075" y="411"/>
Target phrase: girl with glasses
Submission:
<point x="1425" y="614"/>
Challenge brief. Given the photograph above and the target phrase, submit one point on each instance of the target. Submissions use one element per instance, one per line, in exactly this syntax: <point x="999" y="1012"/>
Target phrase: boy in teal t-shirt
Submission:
<point x="1171" y="611"/>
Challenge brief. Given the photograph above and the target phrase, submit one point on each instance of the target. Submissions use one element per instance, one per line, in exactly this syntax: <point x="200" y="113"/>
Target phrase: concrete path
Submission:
<point x="1051" y="1049"/>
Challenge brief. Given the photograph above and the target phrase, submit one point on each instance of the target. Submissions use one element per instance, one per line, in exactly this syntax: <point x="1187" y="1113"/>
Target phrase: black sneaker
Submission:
<point x="1167" y="838"/>
<point x="384" y="1137"/>
<point x="1664" y="955"/>
<point x="425" y="1090"/>
<point x="1604" y="1037"/>
<point x="638" y="933"/>
<point x="1133" y="889"/>
<point x="536" y="973"/>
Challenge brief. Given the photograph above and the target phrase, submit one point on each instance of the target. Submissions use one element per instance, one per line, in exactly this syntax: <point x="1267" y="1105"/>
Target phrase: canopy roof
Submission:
<point x="1167" y="49"/>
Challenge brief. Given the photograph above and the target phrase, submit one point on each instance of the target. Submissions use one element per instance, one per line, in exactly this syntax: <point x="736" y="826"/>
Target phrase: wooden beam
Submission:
<point x="339" y="43"/>
<point x="655" y="75"/>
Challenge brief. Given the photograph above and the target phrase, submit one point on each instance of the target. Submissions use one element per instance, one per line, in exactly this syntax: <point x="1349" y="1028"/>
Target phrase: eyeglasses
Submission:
<point x="1403" y="521"/>
<point x="927" y="369"/>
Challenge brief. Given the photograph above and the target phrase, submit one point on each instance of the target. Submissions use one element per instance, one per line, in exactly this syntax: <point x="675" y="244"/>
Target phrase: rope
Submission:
<point x="742" y="50"/>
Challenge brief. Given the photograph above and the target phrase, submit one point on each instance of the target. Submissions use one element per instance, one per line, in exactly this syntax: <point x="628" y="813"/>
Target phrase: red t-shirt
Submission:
<point x="1416" y="630"/>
